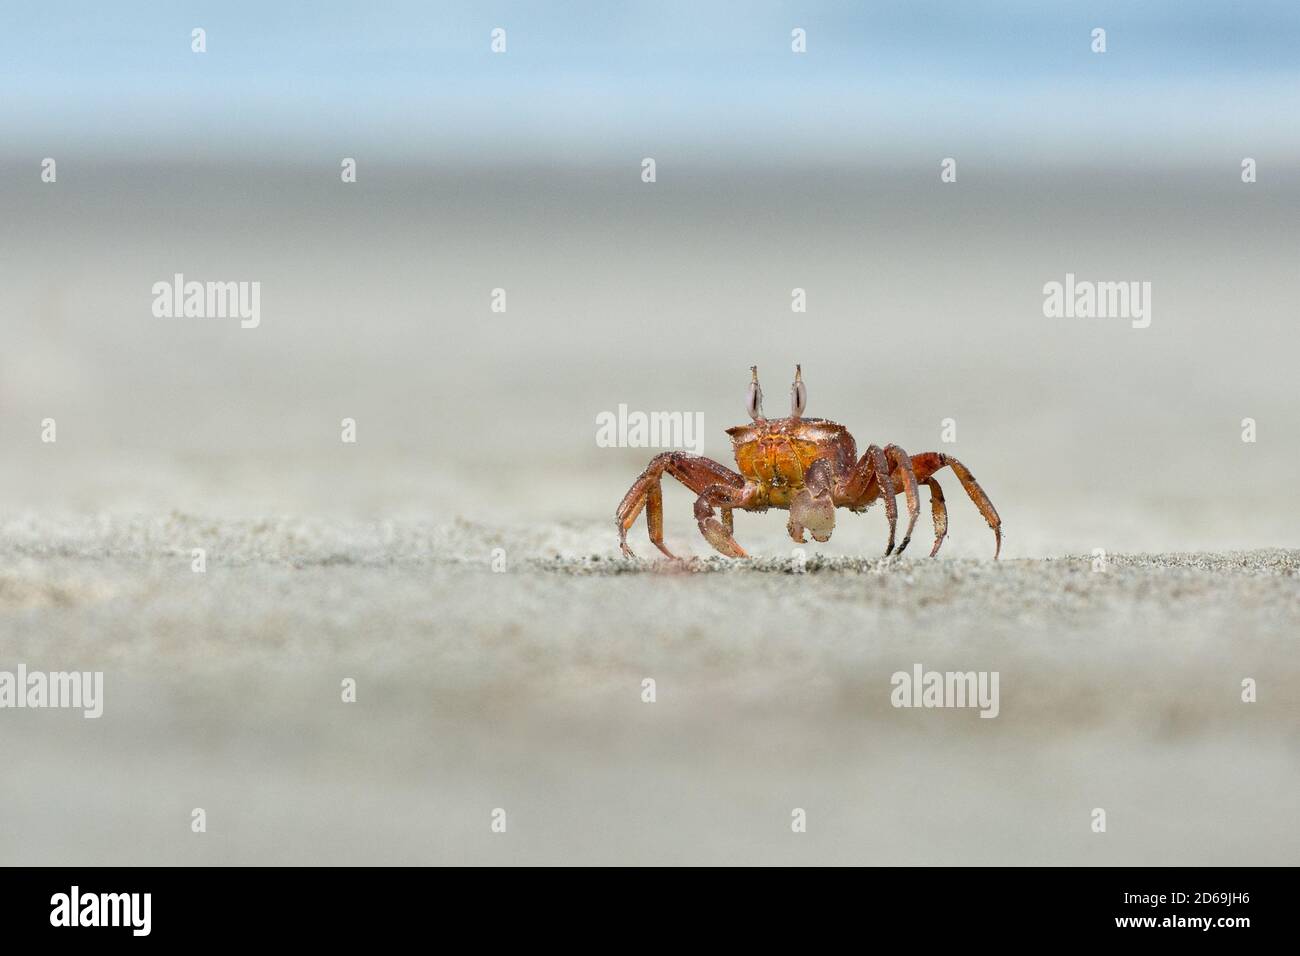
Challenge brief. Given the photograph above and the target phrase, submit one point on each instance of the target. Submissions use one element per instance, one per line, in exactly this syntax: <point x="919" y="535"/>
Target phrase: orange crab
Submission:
<point x="809" y="466"/>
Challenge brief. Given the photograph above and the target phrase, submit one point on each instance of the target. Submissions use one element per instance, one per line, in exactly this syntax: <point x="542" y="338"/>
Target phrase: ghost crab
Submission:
<point x="810" y="467"/>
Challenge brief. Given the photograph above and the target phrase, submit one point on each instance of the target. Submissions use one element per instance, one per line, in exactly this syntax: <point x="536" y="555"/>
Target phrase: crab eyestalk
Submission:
<point x="798" y="394"/>
<point x="754" y="400"/>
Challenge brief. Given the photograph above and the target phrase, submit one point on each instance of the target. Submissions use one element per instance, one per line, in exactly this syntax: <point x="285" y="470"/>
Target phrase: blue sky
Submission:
<point x="408" y="79"/>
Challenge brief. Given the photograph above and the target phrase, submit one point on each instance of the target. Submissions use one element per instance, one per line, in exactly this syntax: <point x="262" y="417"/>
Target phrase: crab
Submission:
<point x="808" y="466"/>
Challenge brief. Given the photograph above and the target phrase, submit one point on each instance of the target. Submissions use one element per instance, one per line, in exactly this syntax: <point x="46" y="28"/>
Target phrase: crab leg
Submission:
<point x="868" y="481"/>
<point x="694" y="471"/>
<point x="927" y="463"/>
<point x="940" y="514"/>
<point x="902" y="475"/>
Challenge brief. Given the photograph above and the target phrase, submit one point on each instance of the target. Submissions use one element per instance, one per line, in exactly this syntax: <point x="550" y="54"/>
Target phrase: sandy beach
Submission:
<point x="522" y="690"/>
<point x="476" y="442"/>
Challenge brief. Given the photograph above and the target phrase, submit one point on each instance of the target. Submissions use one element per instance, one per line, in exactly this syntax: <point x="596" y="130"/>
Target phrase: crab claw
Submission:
<point x="796" y="531"/>
<point x="816" y="513"/>
<point x="718" y="536"/>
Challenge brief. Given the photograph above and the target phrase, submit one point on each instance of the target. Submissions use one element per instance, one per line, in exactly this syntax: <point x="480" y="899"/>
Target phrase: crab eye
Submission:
<point x="798" y="398"/>
<point x="754" y="401"/>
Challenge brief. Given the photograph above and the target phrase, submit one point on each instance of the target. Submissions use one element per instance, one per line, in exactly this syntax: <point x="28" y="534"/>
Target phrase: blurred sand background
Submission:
<point x="477" y="431"/>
